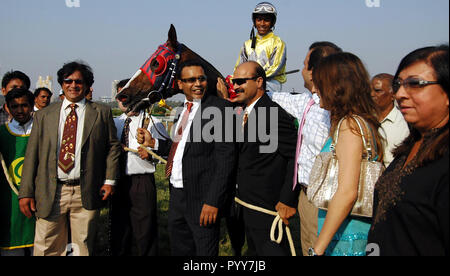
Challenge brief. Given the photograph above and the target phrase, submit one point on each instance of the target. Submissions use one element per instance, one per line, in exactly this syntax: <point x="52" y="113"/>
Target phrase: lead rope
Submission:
<point x="276" y="222"/>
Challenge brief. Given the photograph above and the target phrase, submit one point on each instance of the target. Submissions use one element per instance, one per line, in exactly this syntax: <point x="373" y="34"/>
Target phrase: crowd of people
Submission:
<point x="61" y="162"/>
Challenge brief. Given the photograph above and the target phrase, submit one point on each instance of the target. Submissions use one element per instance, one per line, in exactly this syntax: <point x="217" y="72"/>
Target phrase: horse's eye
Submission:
<point x="154" y="64"/>
<point x="158" y="65"/>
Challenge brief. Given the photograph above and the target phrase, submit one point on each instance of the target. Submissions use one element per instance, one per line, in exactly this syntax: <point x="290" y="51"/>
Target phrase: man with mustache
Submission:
<point x="264" y="174"/>
<point x="71" y="166"/>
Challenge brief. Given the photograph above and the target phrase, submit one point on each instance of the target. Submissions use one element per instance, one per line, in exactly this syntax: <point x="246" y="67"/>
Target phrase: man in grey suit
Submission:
<point x="70" y="167"/>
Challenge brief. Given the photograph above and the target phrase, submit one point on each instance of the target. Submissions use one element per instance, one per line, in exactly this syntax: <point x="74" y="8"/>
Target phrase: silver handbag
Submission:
<point x="323" y="180"/>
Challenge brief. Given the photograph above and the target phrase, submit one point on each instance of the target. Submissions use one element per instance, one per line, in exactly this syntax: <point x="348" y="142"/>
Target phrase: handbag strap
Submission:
<point x="367" y="146"/>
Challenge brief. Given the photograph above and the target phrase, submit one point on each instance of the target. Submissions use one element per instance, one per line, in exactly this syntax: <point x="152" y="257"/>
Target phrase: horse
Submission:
<point x="156" y="79"/>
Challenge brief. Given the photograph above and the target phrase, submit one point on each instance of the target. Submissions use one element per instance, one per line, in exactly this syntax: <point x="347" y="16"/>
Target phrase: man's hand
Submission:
<point x="145" y="138"/>
<point x="143" y="154"/>
<point x="106" y="191"/>
<point x="285" y="212"/>
<point x="222" y="90"/>
<point x="27" y="206"/>
<point x="208" y="215"/>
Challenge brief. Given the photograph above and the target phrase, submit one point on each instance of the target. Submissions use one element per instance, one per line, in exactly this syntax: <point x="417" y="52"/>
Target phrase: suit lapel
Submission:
<point x="89" y="120"/>
<point x="52" y="120"/>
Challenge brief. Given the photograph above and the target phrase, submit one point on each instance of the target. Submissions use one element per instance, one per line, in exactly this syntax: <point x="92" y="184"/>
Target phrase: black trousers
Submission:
<point x="134" y="217"/>
<point x="187" y="238"/>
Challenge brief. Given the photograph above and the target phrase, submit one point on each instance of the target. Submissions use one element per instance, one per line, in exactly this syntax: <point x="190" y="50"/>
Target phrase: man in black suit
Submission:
<point x="266" y="164"/>
<point x="201" y="173"/>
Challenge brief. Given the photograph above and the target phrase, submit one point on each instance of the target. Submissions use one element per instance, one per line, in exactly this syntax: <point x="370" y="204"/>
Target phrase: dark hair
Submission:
<point x="71" y="67"/>
<point x="19" y="93"/>
<point x="320" y="51"/>
<point x="344" y="87"/>
<point x="325" y="44"/>
<point x="38" y="91"/>
<point x="9" y="76"/>
<point x="435" y="57"/>
<point x="122" y="83"/>
<point x="190" y="63"/>
<point x="435" y="143"/>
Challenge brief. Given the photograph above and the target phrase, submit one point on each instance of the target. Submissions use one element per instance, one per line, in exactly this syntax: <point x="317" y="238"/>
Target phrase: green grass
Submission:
<point x="162" y="186"/>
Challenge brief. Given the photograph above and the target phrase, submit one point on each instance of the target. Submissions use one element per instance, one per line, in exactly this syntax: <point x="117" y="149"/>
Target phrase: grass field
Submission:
<point x="162" y="186"/>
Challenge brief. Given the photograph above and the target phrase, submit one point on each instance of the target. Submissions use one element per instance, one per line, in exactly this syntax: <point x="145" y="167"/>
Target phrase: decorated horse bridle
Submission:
<point x="160" y="74"/>
<point x="155" y="68"/>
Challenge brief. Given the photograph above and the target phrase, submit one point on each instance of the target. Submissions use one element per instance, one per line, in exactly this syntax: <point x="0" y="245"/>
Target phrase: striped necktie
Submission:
<point x="178" y="137"/>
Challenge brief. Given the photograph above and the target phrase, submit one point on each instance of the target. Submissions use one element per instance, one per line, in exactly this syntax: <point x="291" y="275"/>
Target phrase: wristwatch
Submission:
<point x="312" y="253"/>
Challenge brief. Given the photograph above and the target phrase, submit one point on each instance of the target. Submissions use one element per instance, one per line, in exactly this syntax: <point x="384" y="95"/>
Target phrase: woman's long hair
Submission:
<point x="344" y="88"/>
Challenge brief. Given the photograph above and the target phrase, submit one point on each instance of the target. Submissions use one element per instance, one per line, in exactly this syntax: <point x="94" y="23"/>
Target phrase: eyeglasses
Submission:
<point x="70" y="81"/>
<point x="241" y="81"/>
<point x="413" y="83"/>
<point x="194" y="80"/>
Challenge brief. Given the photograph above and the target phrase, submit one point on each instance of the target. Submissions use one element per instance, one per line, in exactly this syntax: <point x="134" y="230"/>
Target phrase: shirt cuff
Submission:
<point x="110" y="182"/>
<point x="155" y="148"/>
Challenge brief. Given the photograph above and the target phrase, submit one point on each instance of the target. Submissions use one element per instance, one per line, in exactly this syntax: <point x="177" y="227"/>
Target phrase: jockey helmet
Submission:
<point x="265" y="8"/>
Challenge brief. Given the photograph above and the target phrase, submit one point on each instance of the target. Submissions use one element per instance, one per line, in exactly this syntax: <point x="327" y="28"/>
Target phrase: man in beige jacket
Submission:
<point x="70" y="168"/>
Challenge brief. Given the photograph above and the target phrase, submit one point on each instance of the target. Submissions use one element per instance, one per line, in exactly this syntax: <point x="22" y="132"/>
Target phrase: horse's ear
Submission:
<point x="173" y="36"/>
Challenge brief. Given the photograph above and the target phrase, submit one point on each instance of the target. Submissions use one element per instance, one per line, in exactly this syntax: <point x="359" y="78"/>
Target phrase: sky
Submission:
<point x="115" y="37"/>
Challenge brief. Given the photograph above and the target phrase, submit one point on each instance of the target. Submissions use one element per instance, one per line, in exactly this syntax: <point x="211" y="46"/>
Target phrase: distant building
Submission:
<point x="48" y="83"/>
<point x="114" y="88"/>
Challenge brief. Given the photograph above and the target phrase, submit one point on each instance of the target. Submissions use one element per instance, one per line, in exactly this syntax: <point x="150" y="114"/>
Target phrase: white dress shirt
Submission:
<point x="394" y="130"/>
<point x="135" y="165"/>
<point x="74" y="174"/>
<point x="17" y="129"/>
<point x="176" y="179"/>
<point x="315" y="131"/>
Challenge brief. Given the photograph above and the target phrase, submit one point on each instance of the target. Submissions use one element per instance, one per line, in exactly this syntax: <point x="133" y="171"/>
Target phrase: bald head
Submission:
<point x="382" y="93"/>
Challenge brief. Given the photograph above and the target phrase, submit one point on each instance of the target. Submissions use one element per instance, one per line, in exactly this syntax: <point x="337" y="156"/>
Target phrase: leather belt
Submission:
<point x="73" y="182"/>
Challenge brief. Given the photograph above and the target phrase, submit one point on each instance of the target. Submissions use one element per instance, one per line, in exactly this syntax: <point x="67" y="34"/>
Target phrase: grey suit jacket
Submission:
<point x="99" y="157"/>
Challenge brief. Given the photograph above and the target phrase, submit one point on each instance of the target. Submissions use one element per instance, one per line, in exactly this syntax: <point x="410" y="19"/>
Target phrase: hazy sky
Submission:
<point x="115" y="37"/>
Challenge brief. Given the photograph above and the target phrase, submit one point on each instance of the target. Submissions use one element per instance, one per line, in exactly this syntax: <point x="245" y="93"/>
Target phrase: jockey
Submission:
<point x="266" y="48"/>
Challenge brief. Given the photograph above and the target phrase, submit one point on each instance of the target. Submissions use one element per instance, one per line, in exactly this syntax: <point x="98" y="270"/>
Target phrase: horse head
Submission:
<point x="156" y="79"/>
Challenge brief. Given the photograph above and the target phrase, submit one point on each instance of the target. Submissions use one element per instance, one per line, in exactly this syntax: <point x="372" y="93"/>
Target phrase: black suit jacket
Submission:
<point x="264" y="179"/>
<point x="209" y="168"/>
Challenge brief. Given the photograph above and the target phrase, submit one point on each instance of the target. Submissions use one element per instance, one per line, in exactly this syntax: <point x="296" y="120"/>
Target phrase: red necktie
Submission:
<point x="178" y="137"/>
<point x="66" y="159"/>
<point x="299" y="140"/>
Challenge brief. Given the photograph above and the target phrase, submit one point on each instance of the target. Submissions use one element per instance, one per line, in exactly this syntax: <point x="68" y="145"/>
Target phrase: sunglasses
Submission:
<point x="409" y="83"/>
<point x="194" y="80"/>
<point x="70" y="81"/>
<point x="241" y="81"/>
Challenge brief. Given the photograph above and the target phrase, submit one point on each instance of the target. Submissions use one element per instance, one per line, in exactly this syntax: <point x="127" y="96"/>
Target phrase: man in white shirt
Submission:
<point x="42" y="97"/>
<point x="394" y="128"/>
<point x="314" y="133"/>
<point x="134" y="215"/>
